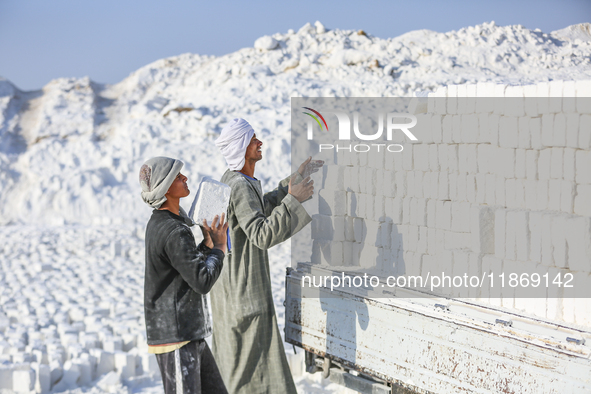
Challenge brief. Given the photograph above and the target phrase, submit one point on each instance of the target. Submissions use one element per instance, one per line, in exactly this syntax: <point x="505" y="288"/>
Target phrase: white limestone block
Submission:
<point x="583" y="166"/>
<point x="460" y="216"/>
<point x="359" y="230"/>
<point x="523" y="131"/>
<point x="583" y="93"/>
<point x="520" y="163"/>
<point x="471" y="188"/>
<point x="457" y="129"/>
<point x="469" y="127"/>
<point x="6" y="376"/>
<point x="125" y="364"/>
<point x="535" y="128"/>
<point x="432" y="183"/>
<point x="530" y="93"/>
<point x="393" y="209"/>
<point x="56" y="371"/>
<point x="443" y="186"/>
<point x="505" y="162"/>
<point x="372" y="235"/>
<point x="556" y="90"/>
<point x="436" y="128"/>
<point x="443" y="215"/>
<point x="584" y="133"/>
<point x="508" y="132"/>
<point x="353" y="208"/>
<point x="583" y="88"/>
<point x="544" y="164"/>
<point x="105" y="361"/>
<point x="212" y="199"/>
<point x="547" y="245"/>
<point x="484" y="155"/>
<point x="559" y="130"/>
<point x="510" y="235"/>
<point x="471" y="94"/>
<point x="407" y="163"/>
<point x="338" y="224"/>
<point x="548" y="130"/>
<point x="568" y="164"/>
<point x="23" y="381"/>
<point x="371" y="179"/>
<point x="530" y="194"/>
<point x="322" y="227"/>
<point x="364" y="204"/>
<point x="388" y="183"/>
<point x="543" y="191"/>
<point x="578" y="239"/>
<point x="559" y="240"/>
<point x="70" y="377"/>
<point x="554" y="192"/>
<point x="334" y="177"/>
<point x="422" y="245"/>
<point x="567" y="196"/>
<point x="480" y="188"/>
<point x="351" y="179"/>
<point x="421" y="157"/>
<point x="406" y="210"/>
<point x="484" y="127"/>
<point x="482" y="224"/>
<point x="112" y="344"/>
<point x="150" y="364"/>
<point x="42" y="378"/>
<point x="332" y="202"/>
<point x="419" y="184"/>
<point x="531" y="164"/>
<point x="349" y="229"/>
<point x="583" y="200"/>
<point x="572" y="130"/>
<point x="500" y="233"/>
<point x="447" y="129"/>
<point x="433" y="157"/>
<point x="379" y="212"/>
<point x="85" y="368"/>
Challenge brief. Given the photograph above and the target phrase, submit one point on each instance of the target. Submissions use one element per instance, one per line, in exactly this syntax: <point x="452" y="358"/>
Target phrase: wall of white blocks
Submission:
<point x="490" y="183"/>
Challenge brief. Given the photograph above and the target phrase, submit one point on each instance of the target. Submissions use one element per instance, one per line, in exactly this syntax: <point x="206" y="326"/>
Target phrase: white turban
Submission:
<point x="233" y="141"/>
<point x="156" y="176"/>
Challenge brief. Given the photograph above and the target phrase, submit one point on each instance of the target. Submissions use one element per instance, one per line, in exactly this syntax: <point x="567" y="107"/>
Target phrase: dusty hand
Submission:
<point x="303" y="190"/>
<point x="309" y="167"/>
<point x="217" y="232"/>
<point x="206" y="235"/>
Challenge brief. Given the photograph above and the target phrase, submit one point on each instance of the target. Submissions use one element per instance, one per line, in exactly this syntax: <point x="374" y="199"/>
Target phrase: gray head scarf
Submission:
<point x="156" y="176"/>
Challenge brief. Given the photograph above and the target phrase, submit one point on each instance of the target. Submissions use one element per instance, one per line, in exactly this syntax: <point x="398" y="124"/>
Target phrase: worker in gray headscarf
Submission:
<point x="179" y="273"/>
<point x="246" y="341"/>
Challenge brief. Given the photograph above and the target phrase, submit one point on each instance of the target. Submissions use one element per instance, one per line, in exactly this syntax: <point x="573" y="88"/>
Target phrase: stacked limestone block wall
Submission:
<point x="492" y="185"/>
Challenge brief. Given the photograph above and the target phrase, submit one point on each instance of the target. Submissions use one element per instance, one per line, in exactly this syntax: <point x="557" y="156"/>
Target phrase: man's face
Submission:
<point x="179" y="187"/>
<point x="253" y="150"/>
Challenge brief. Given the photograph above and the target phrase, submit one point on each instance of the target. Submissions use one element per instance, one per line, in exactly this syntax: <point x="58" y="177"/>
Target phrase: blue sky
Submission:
<point x="107" y="40"/>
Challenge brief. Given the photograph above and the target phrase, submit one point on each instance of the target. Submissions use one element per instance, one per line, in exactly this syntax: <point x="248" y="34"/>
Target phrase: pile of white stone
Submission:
<point x="72" y="310"/>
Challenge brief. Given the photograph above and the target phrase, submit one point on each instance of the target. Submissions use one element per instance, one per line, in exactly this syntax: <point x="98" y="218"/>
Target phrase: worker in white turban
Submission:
<point x="233" y="141"/>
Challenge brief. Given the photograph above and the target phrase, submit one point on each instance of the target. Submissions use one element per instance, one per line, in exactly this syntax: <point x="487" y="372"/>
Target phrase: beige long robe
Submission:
<point x="246" y="341"/>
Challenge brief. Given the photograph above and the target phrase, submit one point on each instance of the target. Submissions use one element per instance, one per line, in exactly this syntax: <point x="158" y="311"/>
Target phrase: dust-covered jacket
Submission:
<point x="178" y="275"/>
<point x="247" y="345"/>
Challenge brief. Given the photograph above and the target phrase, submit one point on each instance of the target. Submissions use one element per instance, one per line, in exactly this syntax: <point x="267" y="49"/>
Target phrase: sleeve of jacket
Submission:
<point x="199" y="266"/>
<point x="264" y="231"/>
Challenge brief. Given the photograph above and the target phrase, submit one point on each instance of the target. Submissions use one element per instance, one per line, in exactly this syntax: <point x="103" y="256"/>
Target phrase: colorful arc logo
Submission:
<point x="315" y="118"/>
